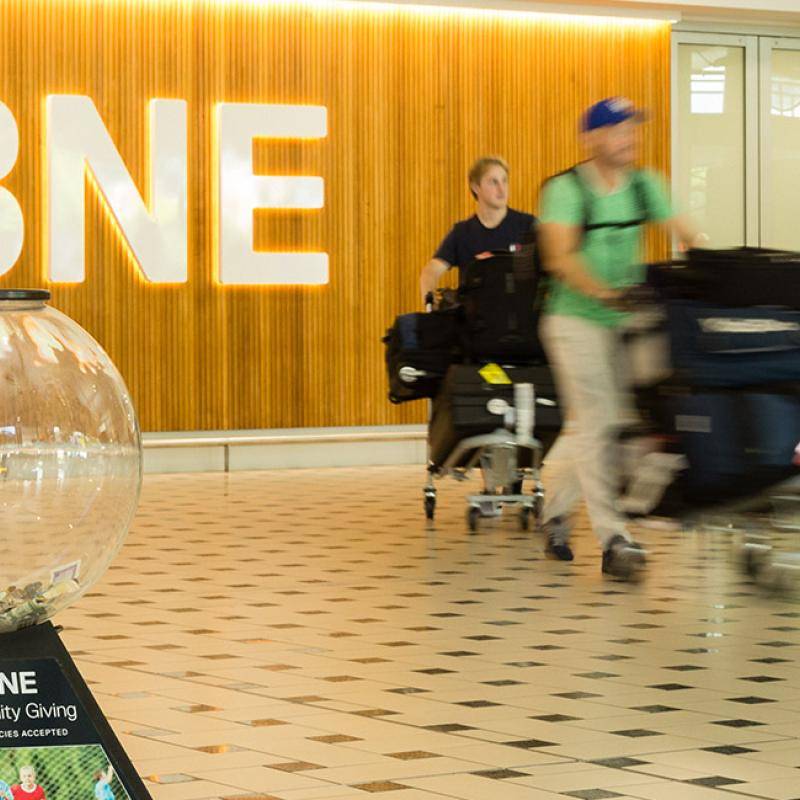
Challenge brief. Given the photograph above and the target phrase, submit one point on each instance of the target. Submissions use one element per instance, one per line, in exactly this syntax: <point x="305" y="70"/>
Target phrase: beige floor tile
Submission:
<point x="320" y="599"/>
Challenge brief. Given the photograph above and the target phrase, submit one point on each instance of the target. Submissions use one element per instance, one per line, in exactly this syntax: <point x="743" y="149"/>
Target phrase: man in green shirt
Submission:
<point x="591" y="228"/>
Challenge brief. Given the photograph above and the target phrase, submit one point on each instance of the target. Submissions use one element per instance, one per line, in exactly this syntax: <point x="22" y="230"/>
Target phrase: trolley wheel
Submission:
<point x="537" y="511"/>
<point x="473" y="515"/>
<point x="754" y="561"/>
<point x="430" y="506"/>
<point x="525" y="518"/>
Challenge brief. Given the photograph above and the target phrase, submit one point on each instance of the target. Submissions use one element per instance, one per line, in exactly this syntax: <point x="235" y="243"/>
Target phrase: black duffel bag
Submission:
<point x="736" y="277"/>
<point x="738" y="443"/>
<point x="733" y="347"/>
<point x="502" y="296"/>
<point x="420" y="347"/>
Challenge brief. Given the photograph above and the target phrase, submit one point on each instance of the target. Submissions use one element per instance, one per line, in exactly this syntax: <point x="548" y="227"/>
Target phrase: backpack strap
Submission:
<point x="643" y="210"/>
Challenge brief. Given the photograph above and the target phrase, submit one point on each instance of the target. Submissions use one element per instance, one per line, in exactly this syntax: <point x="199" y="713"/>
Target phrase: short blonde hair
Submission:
<point x="481" y="167"/>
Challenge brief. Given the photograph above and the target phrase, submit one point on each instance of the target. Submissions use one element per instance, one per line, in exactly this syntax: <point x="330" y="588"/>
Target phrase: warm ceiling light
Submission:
<point x="506" y="9"/>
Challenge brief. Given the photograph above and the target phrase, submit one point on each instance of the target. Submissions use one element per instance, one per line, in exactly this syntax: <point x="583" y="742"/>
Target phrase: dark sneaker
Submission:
<point x="557" y="531"/>
<point x="623" y="559"/>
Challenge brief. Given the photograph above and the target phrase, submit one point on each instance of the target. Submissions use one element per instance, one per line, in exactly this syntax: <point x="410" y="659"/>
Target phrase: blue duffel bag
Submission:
<point x="738" y="442"/>
<point x="733" y="347"/>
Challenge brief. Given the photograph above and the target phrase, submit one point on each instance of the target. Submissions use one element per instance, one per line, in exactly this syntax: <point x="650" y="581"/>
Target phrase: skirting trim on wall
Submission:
<point x="293" y="448"/>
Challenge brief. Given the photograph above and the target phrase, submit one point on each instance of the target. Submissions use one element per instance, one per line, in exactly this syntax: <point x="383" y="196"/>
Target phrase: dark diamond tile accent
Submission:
<point x="501" y="774"/>
<point x="686" y="668"/>
<point x="413" y="755"/>
<point x="334" y="738"/>
<point x="592" y="794"/>
<point x="504" y="683"/>
<point x="729" y="750"/>
<point x="619" y="763"/>
<point x="738" y="723"/>
<point x="531" y="744"/>
<point x="597" y="675"/>
<point x="714" y="781"/>
<point x="380" y="786"/>
<point x="671" y="687"/>
<point x="452" y="727"/>
<point x="294" y="766"/>
<point x="750" y="701"/>
<point x="478" y="704"/>
<point x="577" y="695"/>
<point x="636" y="733"/>
<point x="555" y="718"/>
<point x="761" y="679"/>
<point x="656" y="709"/>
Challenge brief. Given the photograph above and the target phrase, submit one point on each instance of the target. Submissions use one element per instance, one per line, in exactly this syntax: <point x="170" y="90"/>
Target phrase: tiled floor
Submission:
<point x="303" y="635"/>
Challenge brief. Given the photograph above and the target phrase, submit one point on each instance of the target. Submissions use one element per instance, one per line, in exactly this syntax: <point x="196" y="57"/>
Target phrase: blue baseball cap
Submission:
<point x="610" y="111"/>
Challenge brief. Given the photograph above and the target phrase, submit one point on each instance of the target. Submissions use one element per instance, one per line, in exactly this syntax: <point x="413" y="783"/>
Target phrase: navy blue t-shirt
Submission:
<point x="470" y="237"/>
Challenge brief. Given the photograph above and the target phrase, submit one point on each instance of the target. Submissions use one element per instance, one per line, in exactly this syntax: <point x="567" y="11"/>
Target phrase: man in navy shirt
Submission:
<point x="494" y="226"/>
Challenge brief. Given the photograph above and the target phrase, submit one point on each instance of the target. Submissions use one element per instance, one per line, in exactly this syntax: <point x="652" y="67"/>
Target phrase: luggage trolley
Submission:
<point x="506" y="456"/>
<point x="498" y="456"/>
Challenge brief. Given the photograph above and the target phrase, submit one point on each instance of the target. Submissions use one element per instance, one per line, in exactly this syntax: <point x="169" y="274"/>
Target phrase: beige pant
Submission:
<point x="589" y="367"/>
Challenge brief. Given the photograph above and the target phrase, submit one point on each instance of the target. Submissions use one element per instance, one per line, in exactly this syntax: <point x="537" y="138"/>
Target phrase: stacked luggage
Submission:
<point x="471" y="361"/>
<point x="732" y="404"/>
<point x="475" y="400"/>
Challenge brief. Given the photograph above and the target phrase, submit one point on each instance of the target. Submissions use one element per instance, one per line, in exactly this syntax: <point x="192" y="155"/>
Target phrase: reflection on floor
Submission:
<point x="303" y="635"/>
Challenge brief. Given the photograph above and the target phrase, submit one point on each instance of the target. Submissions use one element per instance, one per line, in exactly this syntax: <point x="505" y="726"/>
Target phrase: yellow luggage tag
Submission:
<point x="494" y="374"/>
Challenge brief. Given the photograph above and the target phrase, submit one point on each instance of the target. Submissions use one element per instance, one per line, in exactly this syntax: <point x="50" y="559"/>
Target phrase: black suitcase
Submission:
<point x="736" y="277"/>
<point x="419" y="350"/>
<point x="469" y="405"/>
<point x="502" y="297"/>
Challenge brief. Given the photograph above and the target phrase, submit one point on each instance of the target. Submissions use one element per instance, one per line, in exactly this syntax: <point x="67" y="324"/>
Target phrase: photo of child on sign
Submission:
<point x="76" y="772"/>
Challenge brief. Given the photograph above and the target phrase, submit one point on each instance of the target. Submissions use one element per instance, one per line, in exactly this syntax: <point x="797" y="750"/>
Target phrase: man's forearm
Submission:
<point x="428" y="282"/>
<point x="685" y="231"/>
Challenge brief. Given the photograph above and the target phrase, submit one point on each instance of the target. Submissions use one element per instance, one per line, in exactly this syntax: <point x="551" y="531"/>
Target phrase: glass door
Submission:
<point x="715" y="147"/>
<point x="780" y="143"/>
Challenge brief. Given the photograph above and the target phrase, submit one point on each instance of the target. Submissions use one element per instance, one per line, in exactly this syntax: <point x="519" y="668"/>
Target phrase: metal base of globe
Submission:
<point x="50" y="721"/>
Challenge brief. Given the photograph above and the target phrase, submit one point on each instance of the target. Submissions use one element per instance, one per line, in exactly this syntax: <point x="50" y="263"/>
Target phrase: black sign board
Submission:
<point x="55" y="743"/>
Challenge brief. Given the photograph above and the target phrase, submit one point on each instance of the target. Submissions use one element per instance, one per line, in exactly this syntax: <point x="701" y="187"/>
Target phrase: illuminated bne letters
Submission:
<point x="12" y="225"/>
<point x="78" y="145"/>
<point x="241" y="192"/>
<point x="155" y="228"/>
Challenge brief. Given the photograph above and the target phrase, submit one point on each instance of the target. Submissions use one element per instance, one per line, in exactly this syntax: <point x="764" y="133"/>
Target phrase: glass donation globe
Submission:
<point x="70" y="460"/>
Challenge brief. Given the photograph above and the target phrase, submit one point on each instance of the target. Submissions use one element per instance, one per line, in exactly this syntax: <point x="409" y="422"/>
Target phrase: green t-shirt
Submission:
<point x="613" y="255"/>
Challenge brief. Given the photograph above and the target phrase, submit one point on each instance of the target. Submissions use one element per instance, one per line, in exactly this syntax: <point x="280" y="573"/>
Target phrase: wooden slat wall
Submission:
<point x="413" y="97"/>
